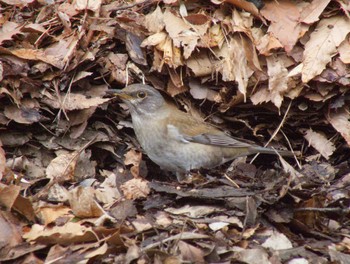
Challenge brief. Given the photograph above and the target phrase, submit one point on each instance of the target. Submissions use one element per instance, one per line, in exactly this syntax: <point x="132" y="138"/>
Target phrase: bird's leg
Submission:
<point x="183" y="177"/>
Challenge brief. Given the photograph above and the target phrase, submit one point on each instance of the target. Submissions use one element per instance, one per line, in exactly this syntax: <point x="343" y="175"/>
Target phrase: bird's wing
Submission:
<point x="218" y="140"/>
<point x="187" y="129"/>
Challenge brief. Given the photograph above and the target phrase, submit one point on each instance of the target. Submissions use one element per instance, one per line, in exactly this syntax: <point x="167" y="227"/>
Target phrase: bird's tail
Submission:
<point x="285" y="153"/>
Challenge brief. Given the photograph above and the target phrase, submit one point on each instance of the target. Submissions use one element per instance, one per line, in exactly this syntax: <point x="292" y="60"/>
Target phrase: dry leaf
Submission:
<point x="195" y="211"/>
<point x="83" y="204"/>
<point x="154" y="21"/>
<point x="278" y="81"/>
<point x="339" y="119"/>
<point x="18" y="2"/>
<point x="135" y="189"/>
<point x="69" y="233"/>
<point x="2" y="161"/>
<point x="74" y="101"/>
<point x="8" y="30"/>
<point x="322" y="46"/>
<point x="201" y="64"/>
<point x="10" y="233"/>
<point x="107" y="193"/>
<point x="253" y="256"/>
<point x="202" y="91"/>
<point x="277" y="241"/>
<point x="234" y="65"/>
<point x="141" y="224"/>
<point x="344" y="51"/>
<point x="183" y="34"/>
<point x="313" y="10"/>
<point x="133" y="158"/>
<point x="62" y="167"/>
<point x="50" y="213"/>
<point x="8" y="195"/>
<point x="286" y="28"/>
<point x="94" y="5"/>
<point x="27" y="113"/>
<point x="320" y="143"/>
<point x="191" y="253"/>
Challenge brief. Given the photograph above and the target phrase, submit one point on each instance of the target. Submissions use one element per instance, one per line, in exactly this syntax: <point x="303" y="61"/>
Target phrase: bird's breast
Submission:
<point x="170" y="152"/>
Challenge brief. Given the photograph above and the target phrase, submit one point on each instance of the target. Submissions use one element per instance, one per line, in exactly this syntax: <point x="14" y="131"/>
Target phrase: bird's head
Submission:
<point x="141" y="99"/>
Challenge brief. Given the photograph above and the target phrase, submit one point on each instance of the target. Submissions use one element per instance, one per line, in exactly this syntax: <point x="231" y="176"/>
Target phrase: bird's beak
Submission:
<point x="119" y="93"/>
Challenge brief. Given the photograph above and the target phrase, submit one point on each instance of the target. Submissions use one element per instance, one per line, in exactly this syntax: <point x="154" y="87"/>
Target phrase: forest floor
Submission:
<point x="77" y="188"/>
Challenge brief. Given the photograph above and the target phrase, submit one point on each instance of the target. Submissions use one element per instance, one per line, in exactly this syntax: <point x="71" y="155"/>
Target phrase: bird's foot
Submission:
<point x="184" y="178"/>
<point x="194" y="177"/>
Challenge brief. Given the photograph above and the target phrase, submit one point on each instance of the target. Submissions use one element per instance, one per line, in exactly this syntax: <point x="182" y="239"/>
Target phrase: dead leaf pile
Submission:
<point x="75" y="186"/>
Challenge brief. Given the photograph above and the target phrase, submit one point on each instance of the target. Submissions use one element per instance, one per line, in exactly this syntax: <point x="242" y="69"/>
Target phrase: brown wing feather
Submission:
<point x="197" y="131"/>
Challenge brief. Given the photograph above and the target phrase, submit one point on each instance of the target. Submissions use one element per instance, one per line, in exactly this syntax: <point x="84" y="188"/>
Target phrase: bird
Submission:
<point x="174" y="139"/>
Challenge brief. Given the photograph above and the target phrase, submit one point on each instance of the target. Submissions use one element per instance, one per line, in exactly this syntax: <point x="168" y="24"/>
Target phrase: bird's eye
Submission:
<point x="141" y="94"/>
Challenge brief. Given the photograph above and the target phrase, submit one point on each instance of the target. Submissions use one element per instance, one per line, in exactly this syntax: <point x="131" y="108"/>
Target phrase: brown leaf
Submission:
<point x="116" y="63"/>
<point x="246" y="5"/>
<point x="309" y="220"/>
<point x="277" y="241"/>
<point x="197" y="19"/>
<point x="253" y="256"/>
<point x="266" y="43"/>
<point x="50" y="213"/>
<point x="85" y="168"/>
<point x="344" y="51"/>
<point x="10" y="233"/>
<point x="2" y="161"/>
<point x="18" y="2"/>
<point x="322" y="46"/>
<point x="141" y="224"/>
<point x="59" y="53"/>
<point x="8" y="30"/>
<point x="201" y="64"/>
<point x="132" y="43"/>
<point x="278" y="81"/>
<point x="154" y="40"/>
<point x="339" y="119"/>
<point x="313" y="10"/>
<point x="66" y="234"/>
<point x="194" y="211"/>
<point x="191" y="253"/>
<point x="183" y="34"/>
<point x="86" y="4"/>
<point x="202" y="91"/>
<point x="79" y="121"/>
<point x="31" y="54"/>
<point x="8" y="195"/>
<point x="320" y="142"/>
<point x="123" y="210"/>
<point x="14" y="139"/>
<point x="133" y="158"/>
<point x="63" y="166"/>
<point x="154" y="21"/>
<point x="107" y="193"/>
<point x="27" y="113"/>
<point x="24" y="206"/>
<point x="83" y="204"/>
<point x="286" y="28"/>
<point x="135" y="189"/>
<point x="234" y="65"/>
<point x="74" y="101"/>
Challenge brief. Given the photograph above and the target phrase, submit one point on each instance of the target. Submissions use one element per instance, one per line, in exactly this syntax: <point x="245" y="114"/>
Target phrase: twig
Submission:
<point x="232" y="181"/>
<point x="329" y="209"/>
<point x="290" y="147"/>
<point x="276" y="131"/>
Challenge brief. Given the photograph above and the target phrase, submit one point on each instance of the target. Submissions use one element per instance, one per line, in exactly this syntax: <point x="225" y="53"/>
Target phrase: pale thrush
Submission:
<point x="175" y="140"/>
